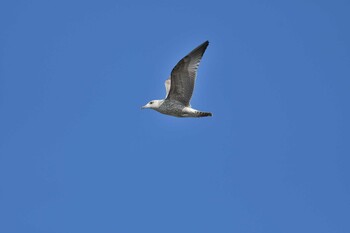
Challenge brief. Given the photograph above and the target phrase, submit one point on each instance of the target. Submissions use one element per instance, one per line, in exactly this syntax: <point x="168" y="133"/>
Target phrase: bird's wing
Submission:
<point x="184" y="74"/>
<point x="167" y="87"/>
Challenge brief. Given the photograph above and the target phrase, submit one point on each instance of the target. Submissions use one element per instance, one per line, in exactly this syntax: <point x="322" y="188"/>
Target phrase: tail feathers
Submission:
<point x="204" y="114"/>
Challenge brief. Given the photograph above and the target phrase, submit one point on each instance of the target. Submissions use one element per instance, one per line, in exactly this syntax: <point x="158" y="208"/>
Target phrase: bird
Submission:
<point x="179" y="87"/>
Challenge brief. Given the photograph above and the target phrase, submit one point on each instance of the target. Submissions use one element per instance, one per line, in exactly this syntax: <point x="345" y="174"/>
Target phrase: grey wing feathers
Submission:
<point x="184" y="74"/>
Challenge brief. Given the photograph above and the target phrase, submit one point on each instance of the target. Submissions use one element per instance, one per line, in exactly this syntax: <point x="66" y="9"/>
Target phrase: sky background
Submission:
<point x="78" y="155"/>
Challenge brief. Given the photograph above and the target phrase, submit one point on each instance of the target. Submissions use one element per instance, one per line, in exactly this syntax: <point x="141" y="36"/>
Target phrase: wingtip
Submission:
<point x="202" y="47"/>
<point x="206" y="44"/>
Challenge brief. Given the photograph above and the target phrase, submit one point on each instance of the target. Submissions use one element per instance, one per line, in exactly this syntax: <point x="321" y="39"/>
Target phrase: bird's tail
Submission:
<point x="204" y="114"/>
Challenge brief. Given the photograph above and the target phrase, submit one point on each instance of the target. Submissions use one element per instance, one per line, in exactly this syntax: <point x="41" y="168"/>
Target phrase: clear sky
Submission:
<point x="78" y="155"/>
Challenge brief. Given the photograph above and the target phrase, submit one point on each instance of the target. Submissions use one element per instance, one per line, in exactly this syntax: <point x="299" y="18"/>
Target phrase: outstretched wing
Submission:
<point x="183" y="75"/>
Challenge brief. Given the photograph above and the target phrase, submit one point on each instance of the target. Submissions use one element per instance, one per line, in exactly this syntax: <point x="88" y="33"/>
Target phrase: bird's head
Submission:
<point x="154" y="104"/>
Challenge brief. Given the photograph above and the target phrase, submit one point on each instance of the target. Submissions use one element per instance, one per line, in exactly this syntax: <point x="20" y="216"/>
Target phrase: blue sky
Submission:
<point x="78" y="155"/>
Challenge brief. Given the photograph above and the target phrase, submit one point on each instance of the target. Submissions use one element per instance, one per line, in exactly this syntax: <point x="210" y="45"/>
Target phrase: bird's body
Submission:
<point x="175" y="108"/>
<point x="179" y="87"/>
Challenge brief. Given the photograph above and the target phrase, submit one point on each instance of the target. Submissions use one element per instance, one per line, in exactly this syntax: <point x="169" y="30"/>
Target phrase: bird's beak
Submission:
<point x="143" y="107"/>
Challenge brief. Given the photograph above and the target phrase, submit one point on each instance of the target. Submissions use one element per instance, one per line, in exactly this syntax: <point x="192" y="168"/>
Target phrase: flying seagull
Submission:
<point x="179" y="87"/>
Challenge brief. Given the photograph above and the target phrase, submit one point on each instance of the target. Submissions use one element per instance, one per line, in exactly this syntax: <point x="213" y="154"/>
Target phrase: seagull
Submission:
<point x="179" y="87"/>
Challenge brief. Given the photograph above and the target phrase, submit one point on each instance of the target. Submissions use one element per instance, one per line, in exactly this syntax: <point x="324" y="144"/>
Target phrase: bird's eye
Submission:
<point x="151" y="102"/>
